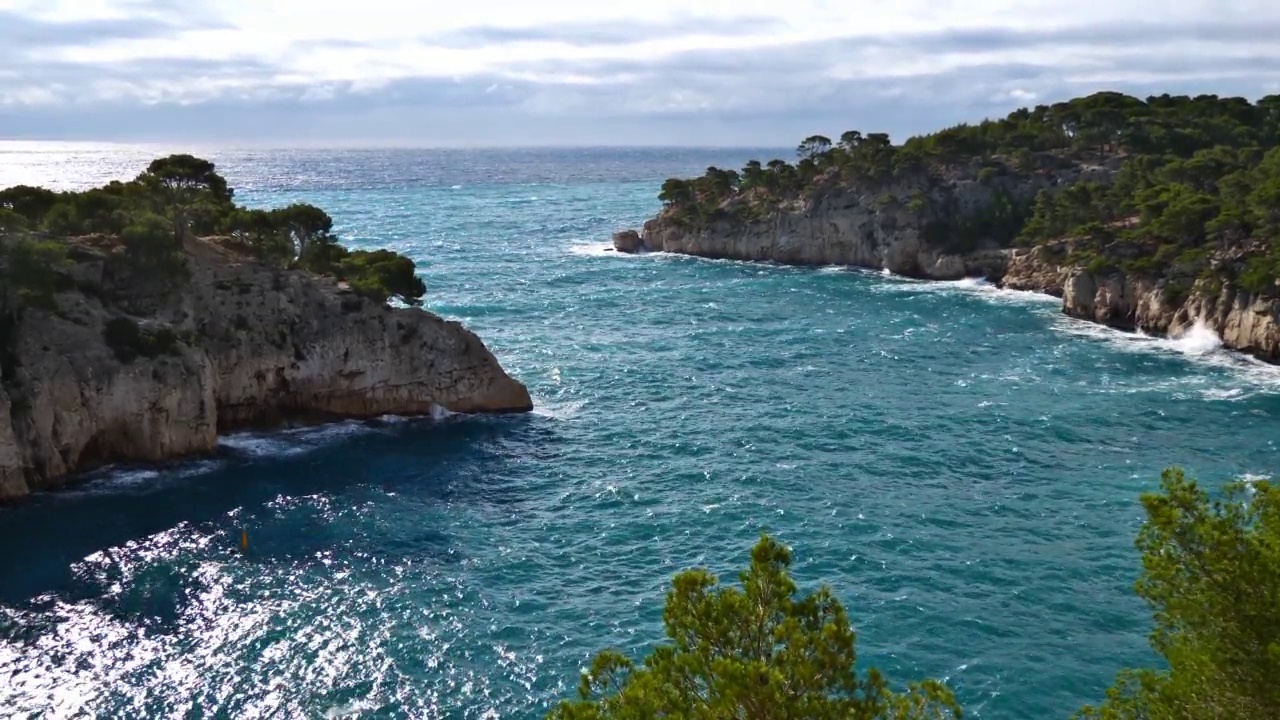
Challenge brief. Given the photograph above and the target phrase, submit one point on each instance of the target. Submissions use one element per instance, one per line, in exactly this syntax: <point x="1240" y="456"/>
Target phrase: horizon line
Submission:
<point x="15" y="145"/>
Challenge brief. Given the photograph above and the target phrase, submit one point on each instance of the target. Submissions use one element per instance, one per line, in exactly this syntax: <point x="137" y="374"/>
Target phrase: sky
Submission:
<point x="597" y="72"/>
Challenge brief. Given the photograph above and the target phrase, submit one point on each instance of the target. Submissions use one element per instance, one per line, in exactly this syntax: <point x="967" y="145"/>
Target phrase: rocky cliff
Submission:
<point x="1245" y="321"/>
<point x="907" y="224"/>
<point x="115" y="369"/>
<point x="901" y="226"/>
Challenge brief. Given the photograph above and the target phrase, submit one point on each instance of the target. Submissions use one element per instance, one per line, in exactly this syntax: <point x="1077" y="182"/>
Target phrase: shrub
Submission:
<point x="759" y="650"/>
<point x="11" y="221"/>
<point x="1211" y="575"/>
<point x="34" y="268"/>
<point x="1260" y="274"/>
<point x="129" y="341"/>
<point x="383" y="274"/>
<point x="152" y="246"/>
<point x="1100" y="265"/>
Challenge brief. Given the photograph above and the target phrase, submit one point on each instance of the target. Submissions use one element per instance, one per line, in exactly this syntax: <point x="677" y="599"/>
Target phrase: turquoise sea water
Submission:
<point x="961" y="463"/>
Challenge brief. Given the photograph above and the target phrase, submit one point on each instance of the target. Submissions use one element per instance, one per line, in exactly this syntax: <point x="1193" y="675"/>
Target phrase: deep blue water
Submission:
<point x="961" y="464"/>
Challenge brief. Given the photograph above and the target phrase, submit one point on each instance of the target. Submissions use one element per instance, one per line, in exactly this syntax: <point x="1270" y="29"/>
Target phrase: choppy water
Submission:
<point x="962" y="464"/>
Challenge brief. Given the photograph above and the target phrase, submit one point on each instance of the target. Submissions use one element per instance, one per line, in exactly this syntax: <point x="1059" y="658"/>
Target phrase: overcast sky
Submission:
<point x="616" y="72"/>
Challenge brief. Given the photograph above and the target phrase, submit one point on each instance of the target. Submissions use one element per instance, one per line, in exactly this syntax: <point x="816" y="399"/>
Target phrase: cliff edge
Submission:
<point x="1156" y="214"/>
<point x="110" y="368"/>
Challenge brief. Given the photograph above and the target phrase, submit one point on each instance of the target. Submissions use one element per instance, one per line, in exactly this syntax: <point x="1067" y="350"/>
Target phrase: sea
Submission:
<point x="961" y="464"/>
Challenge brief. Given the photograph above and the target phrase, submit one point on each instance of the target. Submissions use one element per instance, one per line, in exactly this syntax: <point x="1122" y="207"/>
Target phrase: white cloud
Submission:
<point x="781" y="60"/>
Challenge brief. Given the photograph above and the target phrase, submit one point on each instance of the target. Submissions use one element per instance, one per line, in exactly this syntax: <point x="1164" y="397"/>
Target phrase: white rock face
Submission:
<point x="259" y="347"/>
<point x="874" y="227"/>
<point x="886" y="227"/>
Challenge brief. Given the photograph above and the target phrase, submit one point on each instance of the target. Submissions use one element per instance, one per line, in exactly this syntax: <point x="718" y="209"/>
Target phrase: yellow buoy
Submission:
<point x="244" y="539"/>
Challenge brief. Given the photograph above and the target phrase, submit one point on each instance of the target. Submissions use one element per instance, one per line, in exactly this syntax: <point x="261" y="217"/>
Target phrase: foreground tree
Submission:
<point x="1211" y="573"/>
<point x="758" y="651"/>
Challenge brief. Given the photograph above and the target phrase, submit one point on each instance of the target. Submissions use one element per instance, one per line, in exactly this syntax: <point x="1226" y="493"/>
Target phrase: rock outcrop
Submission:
<point x="1132" y="301"/>
<point x="237" y="344"/>
<point x="896" y="227"/>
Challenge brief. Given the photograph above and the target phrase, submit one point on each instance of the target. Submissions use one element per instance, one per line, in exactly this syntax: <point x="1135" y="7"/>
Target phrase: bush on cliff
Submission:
<point x="1192" y="172"/>
<point x="33" y="269"/>
<point x="755" y="651"/>
<point x="152" y="247"/>
<point x="181" y="196"/>
<point x="1211" y="574"/>
<point x="381" y="275"/>
<point x="12" y="222"/>
<point x="129" y="341"/>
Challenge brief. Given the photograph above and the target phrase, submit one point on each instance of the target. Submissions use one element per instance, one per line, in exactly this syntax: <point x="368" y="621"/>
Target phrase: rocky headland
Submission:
<point x="108" y="356"/>
<point x="1085" y="200"/>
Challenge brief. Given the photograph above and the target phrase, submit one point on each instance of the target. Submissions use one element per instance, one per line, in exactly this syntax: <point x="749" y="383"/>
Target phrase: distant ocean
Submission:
<point x="962" y="464"/>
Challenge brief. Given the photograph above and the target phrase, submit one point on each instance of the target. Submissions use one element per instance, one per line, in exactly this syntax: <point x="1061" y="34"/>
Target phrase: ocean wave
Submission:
<point x="286" y="443"/>
<point x="558" y="410"/>
<point x="967" y="286"/>
<point x="114" y="479"/>
<point x="597" y="249"/>
<point x="1199" y="344"/>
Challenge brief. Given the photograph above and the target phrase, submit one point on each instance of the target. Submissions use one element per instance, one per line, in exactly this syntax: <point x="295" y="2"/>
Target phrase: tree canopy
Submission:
<point x="182" y="196"/>
<point x="1180" y="178"/>
<point x="1211" y="574"/>
<point x="760" y="650"/>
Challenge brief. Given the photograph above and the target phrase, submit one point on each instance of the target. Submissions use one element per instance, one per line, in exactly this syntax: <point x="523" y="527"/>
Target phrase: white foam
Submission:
<point x="558" y="411"/>
<point x="971" y="283"/>
<point x="109" y="479"/>
<point x="1199" y="340"/>
<point x="1245" y="376"/>
<point x="286" y="443"/>
<point x="598" y="249"/>
<point x="969" y="286"/>
<point x="350" y="710"/>
<point x="439" y="412"/>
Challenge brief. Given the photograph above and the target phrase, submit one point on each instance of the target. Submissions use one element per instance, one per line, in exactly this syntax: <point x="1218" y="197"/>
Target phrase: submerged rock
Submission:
<point x="238" y="344"/>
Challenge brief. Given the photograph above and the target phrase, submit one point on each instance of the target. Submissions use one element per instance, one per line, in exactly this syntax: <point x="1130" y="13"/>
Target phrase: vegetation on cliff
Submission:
<point x="1211" y="574"/>
<point x="147" y="220"/>
<point x="1177" y="186"/>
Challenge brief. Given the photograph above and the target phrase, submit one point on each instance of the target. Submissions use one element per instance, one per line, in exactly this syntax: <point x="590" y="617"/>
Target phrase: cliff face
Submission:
<point x="1245" y="322"/>
<point x="872" y="228"/>
<point x="254" y="346"/>
<point x="888" y="227"/>
<point x="870" y="224"/>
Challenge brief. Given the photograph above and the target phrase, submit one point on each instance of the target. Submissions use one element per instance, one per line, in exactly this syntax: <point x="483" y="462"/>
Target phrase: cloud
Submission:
<point x="617" y="73"/>
<point x="616" y="32"/>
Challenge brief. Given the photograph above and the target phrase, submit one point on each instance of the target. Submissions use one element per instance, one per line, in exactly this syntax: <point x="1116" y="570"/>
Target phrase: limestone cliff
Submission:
<point x="237" y="344"/>
<point x="902" y="226"/>
<point x="1245" y="321"/>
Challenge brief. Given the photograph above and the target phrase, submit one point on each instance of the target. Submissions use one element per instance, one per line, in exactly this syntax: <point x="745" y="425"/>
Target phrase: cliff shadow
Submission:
<point x="252" y="481"/>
